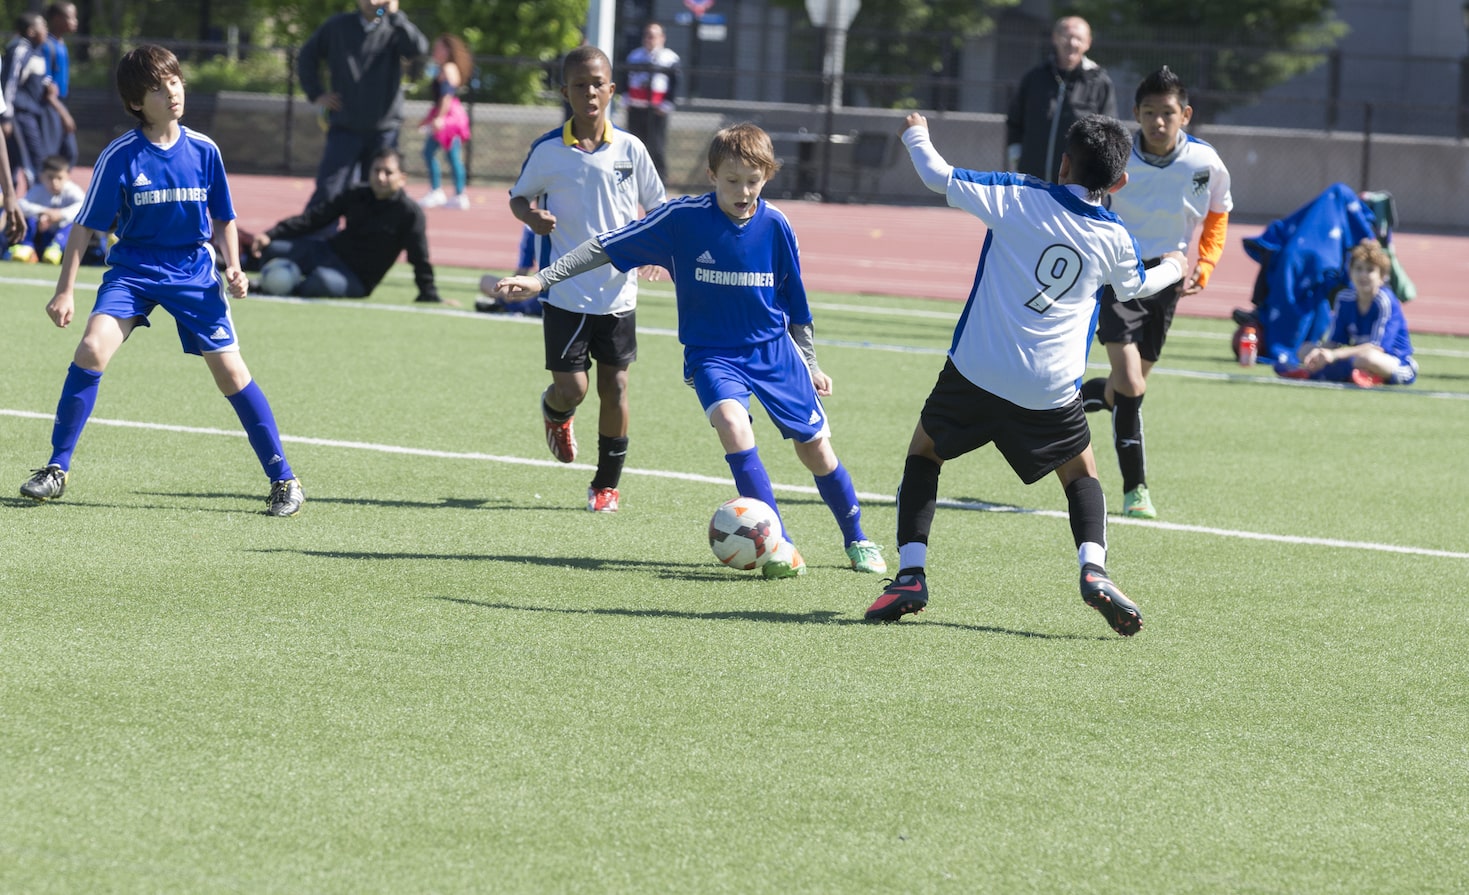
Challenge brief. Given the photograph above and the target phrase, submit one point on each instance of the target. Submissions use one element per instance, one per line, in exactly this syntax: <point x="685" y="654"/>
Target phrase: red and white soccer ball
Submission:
<point x="744" y="533"/>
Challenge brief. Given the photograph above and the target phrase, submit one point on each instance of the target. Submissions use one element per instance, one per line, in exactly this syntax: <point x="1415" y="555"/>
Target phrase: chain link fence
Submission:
<point x="1364" y="120"/>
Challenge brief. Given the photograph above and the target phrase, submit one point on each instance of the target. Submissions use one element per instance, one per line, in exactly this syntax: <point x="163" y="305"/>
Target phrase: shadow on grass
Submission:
<point x="446" y="503"/>
<point x="815" y="617"/>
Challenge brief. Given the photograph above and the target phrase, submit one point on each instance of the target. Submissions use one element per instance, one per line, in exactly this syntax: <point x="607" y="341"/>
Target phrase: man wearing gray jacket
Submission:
<point x="363" y="53"/>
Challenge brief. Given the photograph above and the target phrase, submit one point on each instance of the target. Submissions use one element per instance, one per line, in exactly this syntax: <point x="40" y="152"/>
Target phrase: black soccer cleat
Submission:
<point x="286" y="498"/>
<point x="1098" y="592"/>
<point x="47" y="483"/>
<point x="904" y="594"/>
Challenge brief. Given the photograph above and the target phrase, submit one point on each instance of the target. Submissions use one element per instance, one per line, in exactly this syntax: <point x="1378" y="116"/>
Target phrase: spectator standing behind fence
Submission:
<point x="363" y="53"/>
<point x="447" y="125"/>
<point x="1053" y="95"/>
<point x="652" y="79"/>
<point x="61" y="22"/>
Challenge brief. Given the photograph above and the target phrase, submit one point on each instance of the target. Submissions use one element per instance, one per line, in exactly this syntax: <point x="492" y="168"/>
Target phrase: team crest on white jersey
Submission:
<point x="141" y="180"/>
<point x="623" y="171"/>
<point x="1201" y="181"/>
<point x="705" y="258"/>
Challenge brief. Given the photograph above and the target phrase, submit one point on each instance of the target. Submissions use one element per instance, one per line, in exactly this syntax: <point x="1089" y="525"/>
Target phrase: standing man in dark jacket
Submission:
<point x="1051" y="97"/>
<point x="380" y="222"/>
<point x="363" y="53"/>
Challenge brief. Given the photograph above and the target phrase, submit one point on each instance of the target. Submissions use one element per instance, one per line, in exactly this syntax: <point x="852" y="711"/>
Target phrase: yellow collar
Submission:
<point x="569" y="139"/>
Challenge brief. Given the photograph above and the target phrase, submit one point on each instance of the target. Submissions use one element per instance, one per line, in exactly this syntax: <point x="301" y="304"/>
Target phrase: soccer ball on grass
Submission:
<point x="280" y="276"/>
<point x="744" y="533"/>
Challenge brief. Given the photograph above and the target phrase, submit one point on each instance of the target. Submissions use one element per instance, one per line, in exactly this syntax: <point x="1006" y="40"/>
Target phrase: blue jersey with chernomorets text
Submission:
<point x="735" y="285"/>
<point x="161" y="203"/>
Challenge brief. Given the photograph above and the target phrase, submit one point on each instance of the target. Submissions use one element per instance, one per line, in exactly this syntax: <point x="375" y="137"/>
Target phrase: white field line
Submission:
<point x="870" y="497"/>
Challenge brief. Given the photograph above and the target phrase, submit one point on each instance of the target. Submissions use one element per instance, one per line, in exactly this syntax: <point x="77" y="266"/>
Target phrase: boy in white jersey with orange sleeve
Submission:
<point x="163" y="187"/>
<point x="1020" y="347"/>
<point x="577" y="181"/>
<point x="1174" y="182"/>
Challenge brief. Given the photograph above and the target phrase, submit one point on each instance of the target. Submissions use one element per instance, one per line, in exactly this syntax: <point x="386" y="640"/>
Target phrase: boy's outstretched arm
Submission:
<point x="587" y="256"/>
<point x="931" y="167"/>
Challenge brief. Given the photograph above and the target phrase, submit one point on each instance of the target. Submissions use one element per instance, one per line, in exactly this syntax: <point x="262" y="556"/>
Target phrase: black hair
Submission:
<point x="141" y="70"/>
<point x="584" y="55"/>
<point x="387" y="152"/>
<point x="1098" y="146"/>
<point x="1162" y="82"/>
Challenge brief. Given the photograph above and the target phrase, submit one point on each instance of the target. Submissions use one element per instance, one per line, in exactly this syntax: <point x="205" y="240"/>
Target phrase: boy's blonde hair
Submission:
<point x="746" y="143"/>
<point x="1371" y="252"/>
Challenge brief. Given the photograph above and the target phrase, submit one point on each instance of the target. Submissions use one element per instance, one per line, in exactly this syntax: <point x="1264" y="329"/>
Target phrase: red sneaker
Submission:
<point x="904" y="594"/>
<point x="602" y="500"/>
<point x="1363" y="379"/>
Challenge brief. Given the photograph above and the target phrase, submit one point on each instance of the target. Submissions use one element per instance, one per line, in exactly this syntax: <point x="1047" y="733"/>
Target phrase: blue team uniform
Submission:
<point x="1382" y="325"/>
<point x="161" y="203"/>
<point x="738" y="289"/>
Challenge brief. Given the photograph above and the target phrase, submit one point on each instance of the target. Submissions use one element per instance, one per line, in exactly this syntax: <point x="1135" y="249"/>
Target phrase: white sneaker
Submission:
<point x="433" y="199"/>
<point x="460" y="201"/>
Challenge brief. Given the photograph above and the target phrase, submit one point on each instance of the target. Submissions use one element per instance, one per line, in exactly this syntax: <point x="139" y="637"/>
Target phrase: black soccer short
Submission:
<point x="1142" y="321"/>
<point x="960" y="416"/>
<point x="574" y="339"/>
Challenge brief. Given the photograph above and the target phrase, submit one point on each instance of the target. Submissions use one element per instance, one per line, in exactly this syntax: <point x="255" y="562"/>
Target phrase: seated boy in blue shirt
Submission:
<point x="1367" y="342"/>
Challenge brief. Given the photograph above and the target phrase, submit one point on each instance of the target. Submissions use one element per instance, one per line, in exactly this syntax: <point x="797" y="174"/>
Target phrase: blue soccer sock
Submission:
<point x="836" y="490"/>
<point x="78" y="397"/>
<point x="751" y="479"/>
<point x="254" y="413"/>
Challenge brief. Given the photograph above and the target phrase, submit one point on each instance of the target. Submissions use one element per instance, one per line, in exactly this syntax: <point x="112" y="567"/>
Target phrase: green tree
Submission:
<point x="512" y="40"/>
<point x="1229" y="51"/>
<point x="896" y="48"/>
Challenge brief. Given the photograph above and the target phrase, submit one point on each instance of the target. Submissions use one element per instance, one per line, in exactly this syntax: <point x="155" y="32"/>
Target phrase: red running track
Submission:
<point x="887" y="250"/>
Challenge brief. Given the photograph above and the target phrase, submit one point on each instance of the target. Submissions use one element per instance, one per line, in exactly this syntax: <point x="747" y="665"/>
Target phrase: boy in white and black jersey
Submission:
<point x="1175" y="183"/>
<point x="1020" y="347"/>
<point x="579" y="180"/>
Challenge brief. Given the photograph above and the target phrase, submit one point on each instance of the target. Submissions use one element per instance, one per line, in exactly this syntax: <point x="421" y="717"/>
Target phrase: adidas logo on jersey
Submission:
<point x="705" y="258"/>
<point x="220" y="333"/>
<point x="141" y="180"/>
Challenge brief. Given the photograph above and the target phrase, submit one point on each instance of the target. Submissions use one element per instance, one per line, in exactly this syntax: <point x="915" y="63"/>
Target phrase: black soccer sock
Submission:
<point x="917" y="499"/>
<point x="611" y="454"/>
<point x="1094" y="395"/>
<point x="1087" y="506"/>
<point x="1127" y="437"/>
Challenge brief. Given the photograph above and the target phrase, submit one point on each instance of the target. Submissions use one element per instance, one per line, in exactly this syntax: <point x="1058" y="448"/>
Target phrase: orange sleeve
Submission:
<point x="1211" y="244"/>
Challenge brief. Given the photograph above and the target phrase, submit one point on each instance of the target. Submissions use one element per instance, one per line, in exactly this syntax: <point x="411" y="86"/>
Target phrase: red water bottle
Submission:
<point x="1249" y="346"/>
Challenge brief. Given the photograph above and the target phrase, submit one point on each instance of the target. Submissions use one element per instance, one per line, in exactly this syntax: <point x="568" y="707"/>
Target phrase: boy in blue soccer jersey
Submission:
<point x="1020" y="347"/>
<point x="1176" y="185"/>
<point x="744" y="323"/>
<point x="1367" y="342"/>
<point x="163" y="186"/>
<point x="578" y="180"/>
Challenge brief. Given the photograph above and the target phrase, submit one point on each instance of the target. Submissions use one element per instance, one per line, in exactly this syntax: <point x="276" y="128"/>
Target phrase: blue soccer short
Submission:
<point x="773" y="372"/>
<point x="193" y="297"/>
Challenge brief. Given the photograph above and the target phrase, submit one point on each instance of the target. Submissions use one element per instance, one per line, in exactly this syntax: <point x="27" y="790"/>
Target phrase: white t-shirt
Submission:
<point x="1025" y="330"/>
<point x="1162" y="205"/>
<point x="590" y="193"/>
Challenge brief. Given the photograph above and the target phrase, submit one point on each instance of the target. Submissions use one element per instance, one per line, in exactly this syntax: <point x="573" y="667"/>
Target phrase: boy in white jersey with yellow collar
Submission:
<point x="163" y="187"/>
<point x="1174" y="182"/>
<point x="579" y="180"/>
<point x="1020" y="347"/>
